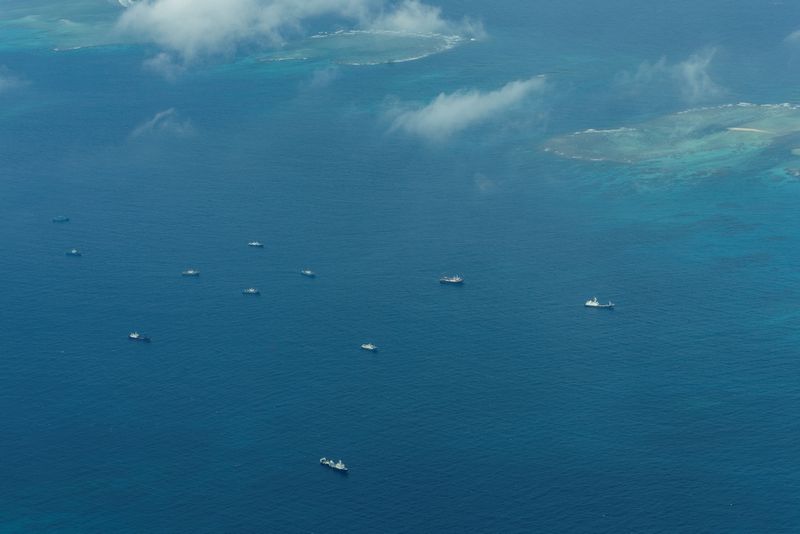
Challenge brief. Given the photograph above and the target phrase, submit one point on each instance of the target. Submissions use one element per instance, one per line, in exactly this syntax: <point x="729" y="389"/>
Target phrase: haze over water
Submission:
<point x="410" y="144"/>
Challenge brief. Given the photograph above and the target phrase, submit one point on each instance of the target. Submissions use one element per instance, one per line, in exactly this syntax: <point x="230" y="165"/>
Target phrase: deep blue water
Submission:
<point x="499" y="406"/>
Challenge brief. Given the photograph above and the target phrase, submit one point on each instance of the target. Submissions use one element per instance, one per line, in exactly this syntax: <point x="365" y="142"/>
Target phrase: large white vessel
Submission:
<point x="309" y="273"/>
<point x="190" y="272"/>
<point x="251" y="291"/>
<point x="255" y="244"/>
<point x="455" y="279"/>
<point x="336" y="466"/>
<point x="594" y="303"/>
<point x="372" y="347"/>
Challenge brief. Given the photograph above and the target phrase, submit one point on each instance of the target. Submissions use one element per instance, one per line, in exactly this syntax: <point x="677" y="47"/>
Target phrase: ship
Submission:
<point x="74" y="252"/>
<point x="190" y="272"/>
<point x="336" y="466"/>
<point x="60" y="219"/>
<point x="455" y="279"/>
<point x="251" y="291"/>
<point x="255" y="244"/>
<point x="309" y="273"/>
<point x="594" y="303"/>
<point x="372" y="347"/>
<point x="136" y="336"/>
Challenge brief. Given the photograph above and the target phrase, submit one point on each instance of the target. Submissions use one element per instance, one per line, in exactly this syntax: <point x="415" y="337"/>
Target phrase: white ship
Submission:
<point x="251" y="291"/>
<point x="309" y="273"/>
<point x="594" y="303"/>
<point x="255" y="244"/>
<point x="455" y="279"/>
<point x="336" y="466"/>
<point x="136" y="336"/>
<point x="190" y="272"/>
<point x="372" y="347"/>
<point x="74" y="252"/>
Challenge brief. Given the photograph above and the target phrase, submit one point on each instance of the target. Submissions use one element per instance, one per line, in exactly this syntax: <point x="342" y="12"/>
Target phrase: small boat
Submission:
<point x="372" y="347"/>
<point x="74" y="252"/>
<point x="190" y="272"/>
<point x="60" y="219"/>
<point x="255" y="244"/>
<point x="336" y="466"/>
<point x="594" y="303"/>
<point x="309" y="273"/>
<point x="455" y="279"/>
<point x="136" y="336"/>
<point x="251" y="291"/>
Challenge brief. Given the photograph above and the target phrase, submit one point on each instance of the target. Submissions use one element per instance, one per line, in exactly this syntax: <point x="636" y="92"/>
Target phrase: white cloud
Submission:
<point x="164" y="122"/>
<point x="197" y="28"/>
<point x="8" y="81"/>
<point x="645" y="74"/>
<point x="193" y="28"/>
<point x="484" y="184"/>
<point x="689" y="77"/>
<point x="693" y="78"/>
<point x="793" y="38"/>
<point x="451" y="113"/>
<point x="323" y="77"/>
<point x="164" y="65"/>
<point x="412" y="16"/>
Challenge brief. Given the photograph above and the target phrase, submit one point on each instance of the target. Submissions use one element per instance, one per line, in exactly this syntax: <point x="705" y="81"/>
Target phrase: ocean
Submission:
<point x="502" y="405"/>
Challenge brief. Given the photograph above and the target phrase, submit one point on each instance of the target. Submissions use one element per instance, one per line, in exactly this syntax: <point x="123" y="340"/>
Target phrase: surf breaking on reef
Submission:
<point x="705" y="133"/>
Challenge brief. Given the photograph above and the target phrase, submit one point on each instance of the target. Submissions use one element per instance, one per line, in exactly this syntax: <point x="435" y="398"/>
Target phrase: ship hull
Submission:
<point x="340" y="471"/>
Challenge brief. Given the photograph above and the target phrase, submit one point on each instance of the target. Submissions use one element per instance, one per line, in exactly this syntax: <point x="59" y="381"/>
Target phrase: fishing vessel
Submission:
<point x="594" y="303"/>
<point x="336" y="466"/>
<point x="372" y="347"/>
<point x="455" y="279"/>
<point x="309" y="273"/>
<point x="60" y="219"/>
<point x="251" y="291"/>
<point x="190" y="272"/>
<point x="255" y="244"/>
<point x="74" y="252"/>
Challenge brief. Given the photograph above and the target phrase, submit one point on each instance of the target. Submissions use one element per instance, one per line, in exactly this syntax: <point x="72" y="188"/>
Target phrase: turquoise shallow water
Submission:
<point x="502" y="405"/>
